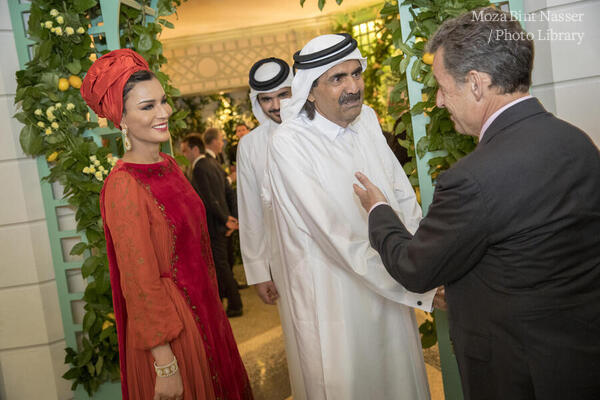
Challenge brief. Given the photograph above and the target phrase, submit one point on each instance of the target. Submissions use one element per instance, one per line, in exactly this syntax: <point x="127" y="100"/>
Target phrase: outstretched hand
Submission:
<point x="370" y="195"/>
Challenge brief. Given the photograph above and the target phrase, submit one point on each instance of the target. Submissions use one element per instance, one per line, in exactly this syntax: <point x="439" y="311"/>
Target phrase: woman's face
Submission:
<point x="146" y="113"/>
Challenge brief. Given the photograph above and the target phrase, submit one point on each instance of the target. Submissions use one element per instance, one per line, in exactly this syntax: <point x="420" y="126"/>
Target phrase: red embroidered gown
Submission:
<point x="164" y="286"/>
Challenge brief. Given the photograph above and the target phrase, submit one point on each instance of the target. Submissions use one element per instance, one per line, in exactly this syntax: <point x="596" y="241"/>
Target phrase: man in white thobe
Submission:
<point x="353" y="324"/>
<point x="270" y="82"/>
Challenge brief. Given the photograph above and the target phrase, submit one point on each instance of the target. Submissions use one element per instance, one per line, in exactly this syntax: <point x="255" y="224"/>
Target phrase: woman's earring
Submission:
<point x="126" y="141"/>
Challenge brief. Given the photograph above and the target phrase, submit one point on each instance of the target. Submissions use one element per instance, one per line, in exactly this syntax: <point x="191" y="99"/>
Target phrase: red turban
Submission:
<point x="102" y="87"/>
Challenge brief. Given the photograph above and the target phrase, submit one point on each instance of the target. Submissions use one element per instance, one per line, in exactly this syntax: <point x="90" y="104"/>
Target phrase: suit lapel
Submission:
<point x="512" y="115"/>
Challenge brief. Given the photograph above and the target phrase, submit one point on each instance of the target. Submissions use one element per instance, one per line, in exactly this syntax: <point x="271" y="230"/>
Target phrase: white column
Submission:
<point x="31" y="334"/>
<point x="566" y="74"/>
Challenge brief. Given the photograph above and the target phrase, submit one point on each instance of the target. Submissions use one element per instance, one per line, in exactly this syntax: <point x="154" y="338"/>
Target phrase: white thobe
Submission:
<point x="355" y="332"/>
<point x="261" y="259"/>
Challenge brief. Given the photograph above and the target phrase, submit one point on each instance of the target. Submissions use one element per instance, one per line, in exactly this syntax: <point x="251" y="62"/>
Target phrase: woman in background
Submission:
<point x="175" y="341"/>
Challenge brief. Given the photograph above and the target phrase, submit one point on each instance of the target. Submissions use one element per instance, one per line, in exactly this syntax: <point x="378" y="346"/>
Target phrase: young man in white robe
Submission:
<point x="353" y="324"/>
<point x="270" y="82"/>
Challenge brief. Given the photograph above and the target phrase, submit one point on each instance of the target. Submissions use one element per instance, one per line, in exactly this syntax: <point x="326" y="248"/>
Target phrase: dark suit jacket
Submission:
<point x="514" y="234"/>
<point x="210" y="182"/>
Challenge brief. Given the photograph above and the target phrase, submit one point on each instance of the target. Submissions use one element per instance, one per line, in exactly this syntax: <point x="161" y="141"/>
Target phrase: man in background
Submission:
<point x="270" y="82"/>
<point x="210" y="182"/>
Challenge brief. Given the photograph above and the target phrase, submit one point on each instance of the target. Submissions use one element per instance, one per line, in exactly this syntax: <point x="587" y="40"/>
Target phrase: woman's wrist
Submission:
<point x="170" y="369"/>
<point x="162" y="354"/>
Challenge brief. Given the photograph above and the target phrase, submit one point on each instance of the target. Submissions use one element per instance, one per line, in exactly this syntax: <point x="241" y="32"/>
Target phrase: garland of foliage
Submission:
<point x="54" y="118"/>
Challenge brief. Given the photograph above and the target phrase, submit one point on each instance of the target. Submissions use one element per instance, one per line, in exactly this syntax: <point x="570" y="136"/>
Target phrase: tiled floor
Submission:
<point x="260" y="341"/>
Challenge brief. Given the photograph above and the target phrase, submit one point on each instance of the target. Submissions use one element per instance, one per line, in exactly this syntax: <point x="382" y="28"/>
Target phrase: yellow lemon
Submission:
<point x="428" y="58"/>
<point x="63" y="84"/>
<point x="75" y="81"/>
<point x="418" y="193"/>
<point x="52" y="157"/>
<point x="106" y="325"/>
<point x="111" y="315"/>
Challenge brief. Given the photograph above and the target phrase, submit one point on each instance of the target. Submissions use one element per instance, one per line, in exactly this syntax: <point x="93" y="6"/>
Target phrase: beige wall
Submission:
<point x="210" y="63"/>
<point x="31" y="335"/>
<point x="566" y="76"/>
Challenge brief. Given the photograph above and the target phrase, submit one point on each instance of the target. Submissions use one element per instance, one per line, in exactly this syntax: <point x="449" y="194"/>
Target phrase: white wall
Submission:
<point x="566" y="75"/>
<point x="31" y="334"/>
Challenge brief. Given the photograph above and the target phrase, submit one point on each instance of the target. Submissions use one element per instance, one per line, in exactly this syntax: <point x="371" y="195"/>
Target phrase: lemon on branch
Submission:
<point x="75" y="81"/>
<point x="428" y="58"/>
<point x="63" y="84"/>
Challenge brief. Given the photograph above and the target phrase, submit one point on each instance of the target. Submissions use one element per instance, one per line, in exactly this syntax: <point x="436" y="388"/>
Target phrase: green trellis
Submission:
<point x="107" y="26"/>
<point x="450" y="374"/>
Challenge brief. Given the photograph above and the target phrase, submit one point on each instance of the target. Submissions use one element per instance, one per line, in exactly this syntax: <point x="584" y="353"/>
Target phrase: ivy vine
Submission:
<point x="56" y="123"/>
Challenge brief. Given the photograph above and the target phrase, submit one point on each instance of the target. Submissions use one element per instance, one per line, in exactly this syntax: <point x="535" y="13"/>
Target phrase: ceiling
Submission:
<point x="196" y="17"/>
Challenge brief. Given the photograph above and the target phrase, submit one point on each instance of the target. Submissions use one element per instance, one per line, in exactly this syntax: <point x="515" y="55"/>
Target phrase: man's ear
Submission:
<point x="476" y="83"/>
<point x="311" y="97"/>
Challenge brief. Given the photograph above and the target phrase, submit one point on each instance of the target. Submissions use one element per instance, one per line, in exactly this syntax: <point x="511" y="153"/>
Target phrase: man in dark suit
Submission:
<point x="210" y="182"/>
<point x="514" y="227"/>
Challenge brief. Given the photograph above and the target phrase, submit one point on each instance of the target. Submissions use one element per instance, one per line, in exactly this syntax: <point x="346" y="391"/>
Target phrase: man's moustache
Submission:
<point x="349" y="97"/>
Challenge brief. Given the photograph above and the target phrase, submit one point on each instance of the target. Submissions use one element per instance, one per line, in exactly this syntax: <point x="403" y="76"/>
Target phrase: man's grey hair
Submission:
<point x="486" y="40"/>
<point x="209" y="135"/>
<point x="309" y="107"/>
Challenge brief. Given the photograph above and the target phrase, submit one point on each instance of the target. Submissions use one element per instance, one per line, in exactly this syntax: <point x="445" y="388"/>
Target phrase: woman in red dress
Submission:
<point x="175" y="341"/>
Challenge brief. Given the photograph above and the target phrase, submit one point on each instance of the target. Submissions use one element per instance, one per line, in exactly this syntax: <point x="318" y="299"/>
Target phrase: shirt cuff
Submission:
<point x="377" y="204"/>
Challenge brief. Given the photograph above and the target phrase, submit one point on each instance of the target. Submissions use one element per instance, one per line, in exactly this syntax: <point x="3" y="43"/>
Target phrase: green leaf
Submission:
<point x="89" y="266"/>
<point x="74" y="67"/>
<point x="321" y="4"/>
<point x="88" y="320"/>
<point x="86" y="356"/>
<point x="21" y="117"/>
<point x="404" y="64"/>
<point x="99" y="365"/>
<point x="423" y="146"/>
<point x="389" y="9"/>
<point x="166" y="23"/>
<point x="91" y="369"/>
<point x="145" y="42"/>
<point x="79" y="248"/>
<point x="418" y="108"/>
<point x="45" y="50"/>
<point x="72" y="373"/>
<point x="83" y="5"/>
<point x="106" y="333"/>
<point x="31" y="141"/>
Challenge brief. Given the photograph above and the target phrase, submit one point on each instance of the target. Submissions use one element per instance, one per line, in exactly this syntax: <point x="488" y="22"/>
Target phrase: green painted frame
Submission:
<point x="110" y="18"/>
<point x="450" y="374"/>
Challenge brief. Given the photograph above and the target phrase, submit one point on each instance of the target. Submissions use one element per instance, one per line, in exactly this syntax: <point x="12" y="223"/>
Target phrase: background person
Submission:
<point x="210" y="182"/>
<point x="270" y="81"/>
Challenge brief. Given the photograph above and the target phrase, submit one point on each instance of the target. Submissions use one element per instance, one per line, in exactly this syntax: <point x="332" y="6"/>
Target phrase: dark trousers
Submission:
<point x="552" y="355"/>
<point x="227" y="284"/>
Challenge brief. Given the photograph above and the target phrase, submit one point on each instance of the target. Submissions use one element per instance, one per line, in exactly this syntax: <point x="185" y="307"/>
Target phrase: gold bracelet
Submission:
<point x="164" y="371"/>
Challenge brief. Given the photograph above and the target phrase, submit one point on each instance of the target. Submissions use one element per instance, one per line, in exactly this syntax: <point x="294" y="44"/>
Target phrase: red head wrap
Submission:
<point x="102" y="87"/>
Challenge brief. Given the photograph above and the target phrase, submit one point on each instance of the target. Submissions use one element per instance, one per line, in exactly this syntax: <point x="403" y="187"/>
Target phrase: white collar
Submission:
<point x="211" y="153"/>
<point x="200" y="157"/>
<point x="330" y="128"/>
